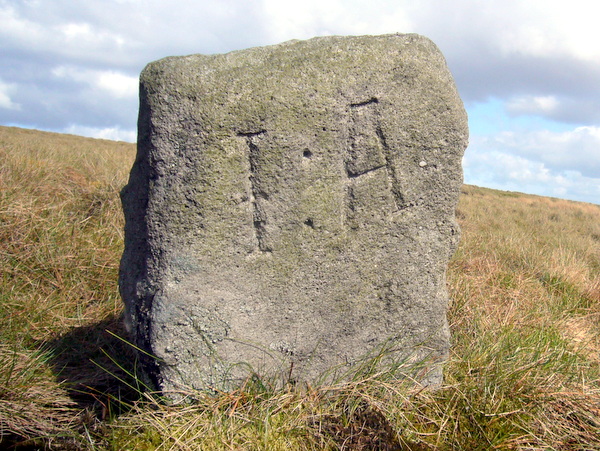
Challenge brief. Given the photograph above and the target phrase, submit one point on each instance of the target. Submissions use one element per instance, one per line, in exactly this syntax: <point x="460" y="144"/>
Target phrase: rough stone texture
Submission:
<point x="291" y="211"/>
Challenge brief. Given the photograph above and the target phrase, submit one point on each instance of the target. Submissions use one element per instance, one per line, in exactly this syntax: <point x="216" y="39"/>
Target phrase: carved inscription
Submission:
<point x="257" y="195"/>
<point x="369" y="153"/>
<point x="365" y="153"/>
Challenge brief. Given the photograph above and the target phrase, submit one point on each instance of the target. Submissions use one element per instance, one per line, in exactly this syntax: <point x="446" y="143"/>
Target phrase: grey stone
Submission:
<point x="290" y="213"/>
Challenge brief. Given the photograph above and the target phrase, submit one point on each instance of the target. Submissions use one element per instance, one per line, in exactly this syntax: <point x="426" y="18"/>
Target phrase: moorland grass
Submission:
<point x="525" y="316"/>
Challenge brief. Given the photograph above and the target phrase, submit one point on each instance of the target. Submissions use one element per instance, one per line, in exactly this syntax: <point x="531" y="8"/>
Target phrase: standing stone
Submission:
<point x="290" y="212"/>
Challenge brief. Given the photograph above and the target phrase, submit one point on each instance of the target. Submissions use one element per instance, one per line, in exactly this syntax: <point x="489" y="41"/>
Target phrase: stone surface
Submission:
<point x="291" y="211"/>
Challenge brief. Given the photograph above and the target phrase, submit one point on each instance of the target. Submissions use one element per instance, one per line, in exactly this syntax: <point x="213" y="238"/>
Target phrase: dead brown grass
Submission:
<point x="60" y="231"/>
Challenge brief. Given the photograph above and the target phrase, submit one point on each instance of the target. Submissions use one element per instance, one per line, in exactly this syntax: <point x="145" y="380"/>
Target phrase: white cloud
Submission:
<point x="6" y="90"/>
<point x="288" y="19"/>
<point x="112" y="133"/>
<point x="85" y="35"/>
<point x="537" y="105"/>
<point x="16" y="29"/>
<point x="538" y="28"/>
<point x="570" y="28"/>
<point x="44" y="29"/>
<point x="117" y="84"/>
<point x="74" y="31"/>
<point x="575" y="150"/>
<point x="499" y="170"/>
<point x="561" y="164"/>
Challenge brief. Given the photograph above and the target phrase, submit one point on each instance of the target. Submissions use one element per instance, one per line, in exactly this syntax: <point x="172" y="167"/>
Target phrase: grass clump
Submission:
<point x="525" y="316"/>
<point x="60" y="237"/>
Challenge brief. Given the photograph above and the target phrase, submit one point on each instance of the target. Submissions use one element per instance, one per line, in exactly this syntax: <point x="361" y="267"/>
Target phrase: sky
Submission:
<point x="528" y="71"/>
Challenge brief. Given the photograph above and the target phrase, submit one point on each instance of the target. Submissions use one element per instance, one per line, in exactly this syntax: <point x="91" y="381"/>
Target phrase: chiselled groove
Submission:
<point x="354" y="174"/>
<point x="252" y="134"/>
<point x="365" y="103"/>
<point x="364" y="149"/>
<point x="350" y="206"/>
<point x="257" y="195"/>
<point x="391" y="170"/>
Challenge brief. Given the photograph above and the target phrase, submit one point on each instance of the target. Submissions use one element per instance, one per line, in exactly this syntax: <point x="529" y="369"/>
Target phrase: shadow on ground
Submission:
<point x="97" y="367"/>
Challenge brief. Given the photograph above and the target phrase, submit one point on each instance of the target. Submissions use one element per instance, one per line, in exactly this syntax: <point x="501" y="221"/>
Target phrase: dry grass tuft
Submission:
<point x="31" y="404"/>
<point x="60" y="236"/>
<point x="583" y="334"/>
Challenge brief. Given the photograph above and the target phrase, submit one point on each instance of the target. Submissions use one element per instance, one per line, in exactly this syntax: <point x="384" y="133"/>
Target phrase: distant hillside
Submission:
<point x="525" y="319"/>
